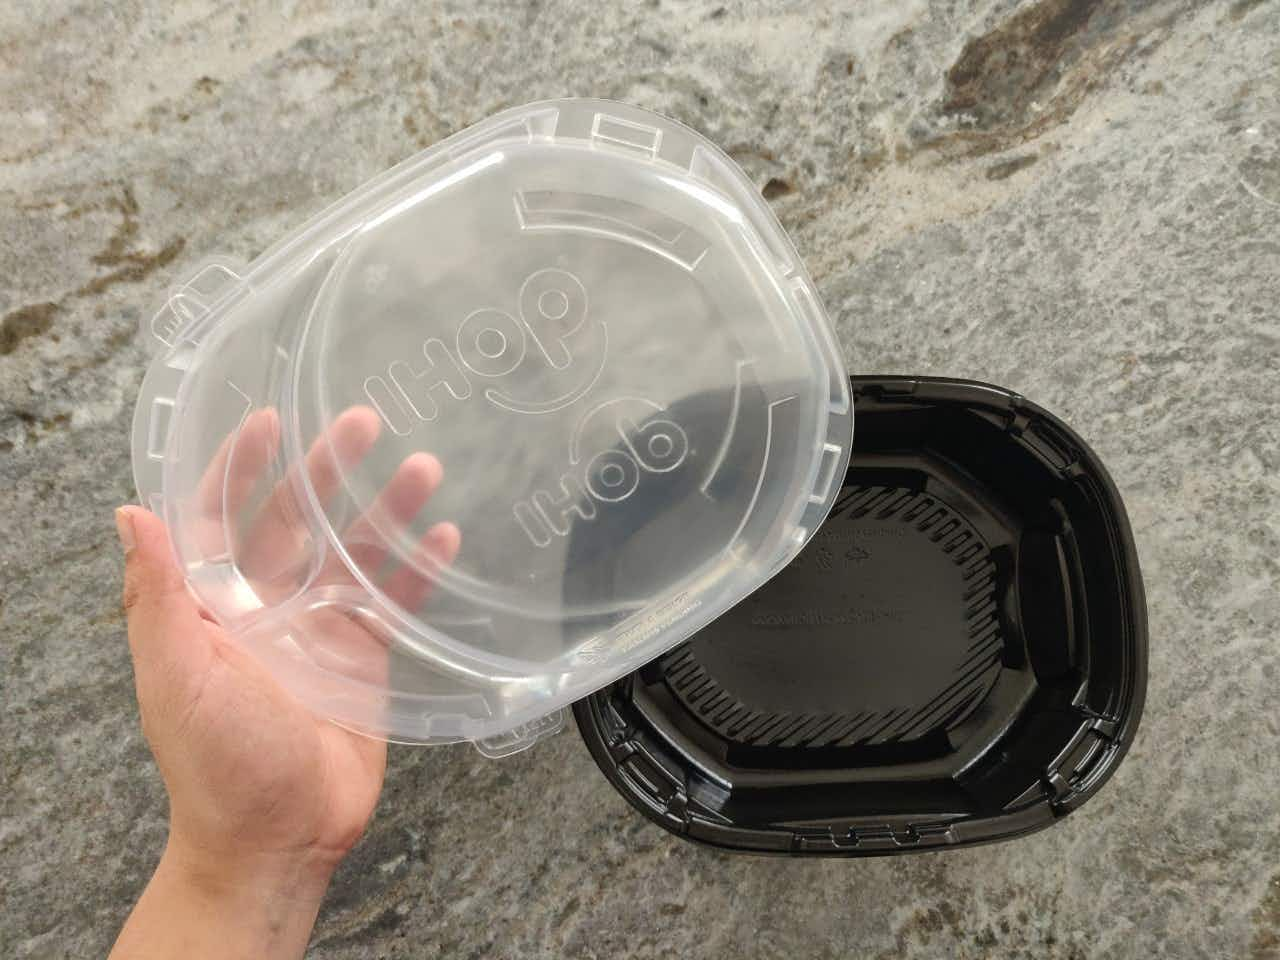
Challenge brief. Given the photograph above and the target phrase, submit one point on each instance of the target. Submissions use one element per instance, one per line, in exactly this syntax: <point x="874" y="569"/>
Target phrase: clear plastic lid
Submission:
<point x="395" y="451"/>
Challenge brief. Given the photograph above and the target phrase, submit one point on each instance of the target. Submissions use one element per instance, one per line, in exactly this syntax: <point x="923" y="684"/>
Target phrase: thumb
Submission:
<point x="165" y="626"/>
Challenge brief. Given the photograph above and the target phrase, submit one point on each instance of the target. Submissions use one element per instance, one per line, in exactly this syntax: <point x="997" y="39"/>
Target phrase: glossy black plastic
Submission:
<point x="957" y="656"/>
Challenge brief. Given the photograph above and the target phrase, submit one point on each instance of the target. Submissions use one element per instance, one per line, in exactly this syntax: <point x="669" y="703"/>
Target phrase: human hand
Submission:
<point x="265" y="797"/>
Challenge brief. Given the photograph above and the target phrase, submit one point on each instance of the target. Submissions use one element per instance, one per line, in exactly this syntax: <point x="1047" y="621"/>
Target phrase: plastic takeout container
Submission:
<point x="375" y="444"/>
<point x="958" y="656"/>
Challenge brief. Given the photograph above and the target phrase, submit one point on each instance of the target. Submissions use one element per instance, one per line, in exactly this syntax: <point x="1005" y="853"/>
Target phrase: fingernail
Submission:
<point x="124" y="527"/>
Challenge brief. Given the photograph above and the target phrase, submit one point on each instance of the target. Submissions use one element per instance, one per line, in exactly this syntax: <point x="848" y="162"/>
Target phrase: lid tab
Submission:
<point x="524" y="736"/>
<point x="214" y="280"/>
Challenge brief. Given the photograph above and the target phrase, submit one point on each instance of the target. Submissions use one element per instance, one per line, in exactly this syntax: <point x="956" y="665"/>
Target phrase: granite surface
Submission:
<point x="1077" y="199"/>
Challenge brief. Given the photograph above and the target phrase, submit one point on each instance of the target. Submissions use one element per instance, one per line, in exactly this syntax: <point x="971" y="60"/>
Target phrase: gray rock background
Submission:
<point x="1078" y="199"/>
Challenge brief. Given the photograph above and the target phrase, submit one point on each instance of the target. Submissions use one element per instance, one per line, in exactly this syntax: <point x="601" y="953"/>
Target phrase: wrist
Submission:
<point x="292" y="876"/>
<point x="205" y="904"/>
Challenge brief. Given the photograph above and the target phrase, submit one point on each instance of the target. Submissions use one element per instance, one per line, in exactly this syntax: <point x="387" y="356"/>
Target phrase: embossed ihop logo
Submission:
<point x="652" y="444"/>
<point x="553" y="328"/>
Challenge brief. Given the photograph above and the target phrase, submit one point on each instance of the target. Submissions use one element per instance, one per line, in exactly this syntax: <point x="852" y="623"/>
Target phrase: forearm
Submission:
<point x="196" y="909"/>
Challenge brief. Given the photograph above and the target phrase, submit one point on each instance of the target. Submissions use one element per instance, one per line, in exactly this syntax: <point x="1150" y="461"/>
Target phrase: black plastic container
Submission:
<point x="959" y="654"/>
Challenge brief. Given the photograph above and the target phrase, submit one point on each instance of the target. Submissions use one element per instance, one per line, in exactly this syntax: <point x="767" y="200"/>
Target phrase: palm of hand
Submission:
<point x="265" y="774"/>
<point x="250" y="770"/>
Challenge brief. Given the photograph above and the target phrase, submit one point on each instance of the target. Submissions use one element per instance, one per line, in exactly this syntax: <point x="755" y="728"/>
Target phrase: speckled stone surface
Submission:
<point x="1078" y="199"/>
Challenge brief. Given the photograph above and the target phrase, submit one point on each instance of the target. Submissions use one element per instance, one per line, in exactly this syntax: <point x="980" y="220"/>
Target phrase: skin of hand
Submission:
<point x="265" y="797"/>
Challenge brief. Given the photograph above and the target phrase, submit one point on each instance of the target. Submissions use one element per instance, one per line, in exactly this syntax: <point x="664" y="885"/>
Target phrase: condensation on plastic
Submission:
<point x="371" y="444"/>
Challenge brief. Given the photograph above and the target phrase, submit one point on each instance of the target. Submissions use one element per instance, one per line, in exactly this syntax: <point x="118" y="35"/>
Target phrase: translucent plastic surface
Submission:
<point x="372" y="444"/>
